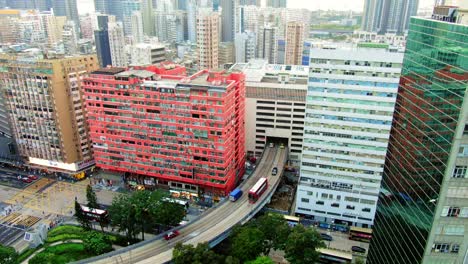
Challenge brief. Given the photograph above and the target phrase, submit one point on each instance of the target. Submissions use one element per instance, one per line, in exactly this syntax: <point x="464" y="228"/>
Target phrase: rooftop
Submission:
<point x="109" y="71"/>
<point x="135" y="73"/>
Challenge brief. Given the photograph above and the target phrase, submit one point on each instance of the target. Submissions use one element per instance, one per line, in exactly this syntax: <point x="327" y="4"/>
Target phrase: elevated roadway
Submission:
<point x="213" y="226"/>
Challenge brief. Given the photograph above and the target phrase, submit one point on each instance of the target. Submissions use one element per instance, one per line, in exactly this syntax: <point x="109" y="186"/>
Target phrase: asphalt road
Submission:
<point x="213" y="223"/>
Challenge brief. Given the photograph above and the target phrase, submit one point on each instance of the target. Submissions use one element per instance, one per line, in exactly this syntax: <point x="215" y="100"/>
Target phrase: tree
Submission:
<point x="91" y="197"/>
<point x="359" y="261"/>
<point x="275" y="229"/>
<point x="81" y="217"/>
<point x="42" y="258"/>
<point x="261" y="260"/>
<point x="200" y="254"/>
<point x="122" y="214"/>
<point x="8" y="255"/>
<point x="248" y="243"/>
<point x="302" y="244"/>
<point x="97" y="243"/>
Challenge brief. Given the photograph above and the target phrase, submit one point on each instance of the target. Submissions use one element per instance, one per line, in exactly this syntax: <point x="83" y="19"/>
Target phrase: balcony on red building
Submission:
<point x="184" y="132"/>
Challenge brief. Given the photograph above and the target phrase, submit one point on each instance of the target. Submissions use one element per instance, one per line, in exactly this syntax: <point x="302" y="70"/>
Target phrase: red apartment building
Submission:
<point x="166" y="129"/>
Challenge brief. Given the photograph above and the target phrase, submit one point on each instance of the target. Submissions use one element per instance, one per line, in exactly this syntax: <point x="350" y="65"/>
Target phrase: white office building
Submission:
<point x="349" y="109"/>
<point x="117" y="45"/>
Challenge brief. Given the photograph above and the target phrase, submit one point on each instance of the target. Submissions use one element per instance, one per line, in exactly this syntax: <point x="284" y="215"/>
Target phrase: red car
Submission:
<point x="171" y="235"/>
<point x="26" y="180"/>
<point x="33" y="177"/>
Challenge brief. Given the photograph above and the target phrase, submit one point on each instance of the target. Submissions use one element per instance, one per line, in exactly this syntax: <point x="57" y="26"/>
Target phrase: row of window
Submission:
<point x="334" y="214"/>
<point x="445" y="248"/>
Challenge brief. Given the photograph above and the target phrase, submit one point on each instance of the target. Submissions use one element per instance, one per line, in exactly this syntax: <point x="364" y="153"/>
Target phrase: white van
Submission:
<point x="272" y="145"/>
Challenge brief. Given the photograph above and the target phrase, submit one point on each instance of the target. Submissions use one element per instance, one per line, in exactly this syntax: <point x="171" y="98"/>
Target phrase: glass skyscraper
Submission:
<point x="423" y="204"/>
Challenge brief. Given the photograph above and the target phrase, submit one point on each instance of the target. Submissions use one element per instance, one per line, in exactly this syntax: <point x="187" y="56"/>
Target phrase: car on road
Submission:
<point x="171" y="235"/>
<point x="272" y="145"/>
<point x="358" y="249"/>
<point x="25" y="179"/>
<point x="33" y="177"/>
<point x="326" y="237"/>
<point x="274" y="171"/>
<point x="282" y="146"/>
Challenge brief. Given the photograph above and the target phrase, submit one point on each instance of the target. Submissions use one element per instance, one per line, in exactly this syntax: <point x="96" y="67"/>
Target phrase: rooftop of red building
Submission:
<point x="171" y="73"/>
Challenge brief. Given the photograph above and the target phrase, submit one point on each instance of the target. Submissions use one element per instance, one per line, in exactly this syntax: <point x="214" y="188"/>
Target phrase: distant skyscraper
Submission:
<point x="102" y="6"/>
<point x="181" y="5"/>
<point x="207" y="38"/>
<point x="294" y="43"/>
<point x="422" y="215"/>
<point x="192" y="20"/>
<point x="41" y="5"/>
<point x="137" y="27"/>
<point x="69" y="9"/>
<point x="117" y="45"/>
<point x="246" y="45"/>
<point x="128" y="8"/>
<point x="70" y="40"/>
<point x="228" y="19"/>
<point x="147" y="14"/>
<point x="101" y="37"/>
<point x="276" y="3"/>
<point x="267" y="44"/>
<point x="250" y="2"/>
<point x="165" y="22"/>
<point x="391" y="16"/>
<point x="350" y="104"/>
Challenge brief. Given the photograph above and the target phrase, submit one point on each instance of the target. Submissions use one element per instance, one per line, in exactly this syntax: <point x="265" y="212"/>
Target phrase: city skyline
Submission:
<point x="86" y="6"/>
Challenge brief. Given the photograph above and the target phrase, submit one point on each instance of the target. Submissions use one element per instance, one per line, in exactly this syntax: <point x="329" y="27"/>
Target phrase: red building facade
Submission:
<point x="182" y="133"/>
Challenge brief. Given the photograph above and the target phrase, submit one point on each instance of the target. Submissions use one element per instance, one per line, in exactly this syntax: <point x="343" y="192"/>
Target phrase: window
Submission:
<point x="350" y="207"/>
<point x="366" y="209"/>
<point x="455" y="248"/>
<point x="450" y="211"/>
<point x="463" y="151"/>
<point x="335" y="205"/>
<point x="304" y="209"/>
<point x="441" y="247"/>
<point x="459" y="172"/>
<point x="305" y="200"/>
<point x="320" y="203"/>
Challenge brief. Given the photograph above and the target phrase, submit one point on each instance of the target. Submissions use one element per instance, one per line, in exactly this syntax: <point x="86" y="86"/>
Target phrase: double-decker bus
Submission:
<point x="184" y="203"/>
<point x="360" y="234"/>
<point x="334" y="256"/>
<point x="258" y="189"/>
<point x="94" y="214"/>
<point x="292" y="220"/>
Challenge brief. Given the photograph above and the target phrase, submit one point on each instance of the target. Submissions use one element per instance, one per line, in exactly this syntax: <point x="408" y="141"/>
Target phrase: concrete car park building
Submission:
<point x="275" y="106"/>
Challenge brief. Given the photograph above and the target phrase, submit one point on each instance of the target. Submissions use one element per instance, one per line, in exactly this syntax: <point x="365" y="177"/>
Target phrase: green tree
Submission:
<point x="359" y="260"/>
<point x="97" y="243"/>
<point x="8" y="255"/>
<point x="122" y="214"/>
<point x="302" y="244"/>
<point x="231" y="260"/>
<point x="91" y="197"/>
<point x="201" y="254"/>
<point x="42" y="258"/>
<point x="248" y="243"/>
<point x="261" y="260"/>
<point x="275" y="229"/>
<point x="81" y="217"/>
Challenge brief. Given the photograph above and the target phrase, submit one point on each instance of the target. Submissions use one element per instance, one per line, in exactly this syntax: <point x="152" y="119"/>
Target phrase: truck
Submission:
<point x="235" y="194"/>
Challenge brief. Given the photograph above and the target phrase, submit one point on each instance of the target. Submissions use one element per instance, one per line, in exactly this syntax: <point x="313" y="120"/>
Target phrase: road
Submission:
<point x="214" y="222"/>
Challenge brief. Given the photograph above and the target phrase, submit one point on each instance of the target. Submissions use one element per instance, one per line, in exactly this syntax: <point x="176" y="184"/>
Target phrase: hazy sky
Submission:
<point x="86" y="6"/>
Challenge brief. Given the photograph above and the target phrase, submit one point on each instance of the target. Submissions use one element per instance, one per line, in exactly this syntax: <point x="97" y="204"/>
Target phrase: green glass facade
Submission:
<point x="429" y="102"/>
